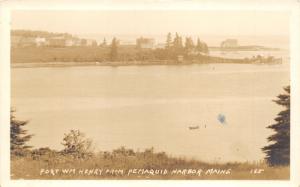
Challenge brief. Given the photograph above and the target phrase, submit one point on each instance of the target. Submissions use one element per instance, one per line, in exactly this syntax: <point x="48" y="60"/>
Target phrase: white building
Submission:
<point x="229" y="43"/>
<point x="90" y="42"/>
<point x="160" y="45"/>
<point x="70" y="42"/>
<point x="40" y="41"/>
<point x="73" y="42"/>
<point x="145" y="43"/>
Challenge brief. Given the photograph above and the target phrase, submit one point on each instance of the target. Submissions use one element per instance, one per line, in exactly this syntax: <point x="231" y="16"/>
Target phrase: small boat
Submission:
<point x="193" y="127"/>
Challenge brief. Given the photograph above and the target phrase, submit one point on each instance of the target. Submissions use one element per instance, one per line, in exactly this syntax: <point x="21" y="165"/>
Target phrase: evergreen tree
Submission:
<point x="199" y="46"/>
<point x="189" y="44"/>
<point x="278" y="153"/>
<point x="169" y="41"/>
<point x="177" y="45"/>
<point x="104" y="43"/>
<point x="176" y="41"/>
<point x="180" y="44"/>
<point x="205" y="48"/>
<point x="114" y="49"/>
<point x="202" y="47"/>
<point x="18" y="136"/>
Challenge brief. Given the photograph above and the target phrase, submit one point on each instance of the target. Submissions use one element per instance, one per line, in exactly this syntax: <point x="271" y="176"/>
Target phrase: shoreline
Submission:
<point x="119" y="64"/>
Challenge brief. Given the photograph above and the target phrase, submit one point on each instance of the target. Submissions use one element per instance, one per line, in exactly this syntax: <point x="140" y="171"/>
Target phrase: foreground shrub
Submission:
<point x="77" y="145"/>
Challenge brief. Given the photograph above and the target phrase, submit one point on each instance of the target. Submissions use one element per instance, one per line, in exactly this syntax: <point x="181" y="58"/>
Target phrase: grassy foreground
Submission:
<point x="138" y="165"/>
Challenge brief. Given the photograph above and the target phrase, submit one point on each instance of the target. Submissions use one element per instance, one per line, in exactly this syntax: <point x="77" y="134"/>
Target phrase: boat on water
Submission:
<point x="193" y="127"/>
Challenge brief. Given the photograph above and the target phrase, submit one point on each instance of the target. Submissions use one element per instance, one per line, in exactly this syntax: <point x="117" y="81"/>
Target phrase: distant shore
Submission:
<point x="209" y="60"/>
<point x="99" y="56"/>
<point x="244" y="48"/>
<point x="112" y="64"/>
<point x="108" y="63"/>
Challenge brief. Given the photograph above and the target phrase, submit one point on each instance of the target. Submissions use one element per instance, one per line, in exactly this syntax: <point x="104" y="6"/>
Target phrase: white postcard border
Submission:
<point x="7" y="6"/>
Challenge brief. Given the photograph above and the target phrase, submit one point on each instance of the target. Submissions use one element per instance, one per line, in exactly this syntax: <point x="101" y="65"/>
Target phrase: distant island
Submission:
<point x="41" y="48"/>
<point x="232" y="45"/>
<point x="245" y="48"/>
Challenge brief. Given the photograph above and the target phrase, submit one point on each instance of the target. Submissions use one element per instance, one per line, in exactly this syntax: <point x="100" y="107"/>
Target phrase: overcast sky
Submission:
<point x="154" y="22"/>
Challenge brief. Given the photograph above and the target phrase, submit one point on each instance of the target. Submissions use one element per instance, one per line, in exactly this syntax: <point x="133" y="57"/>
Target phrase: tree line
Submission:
<point x="174" y="47"/>
<point x="43" y="34"/>
<point x="177" y="47"/>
